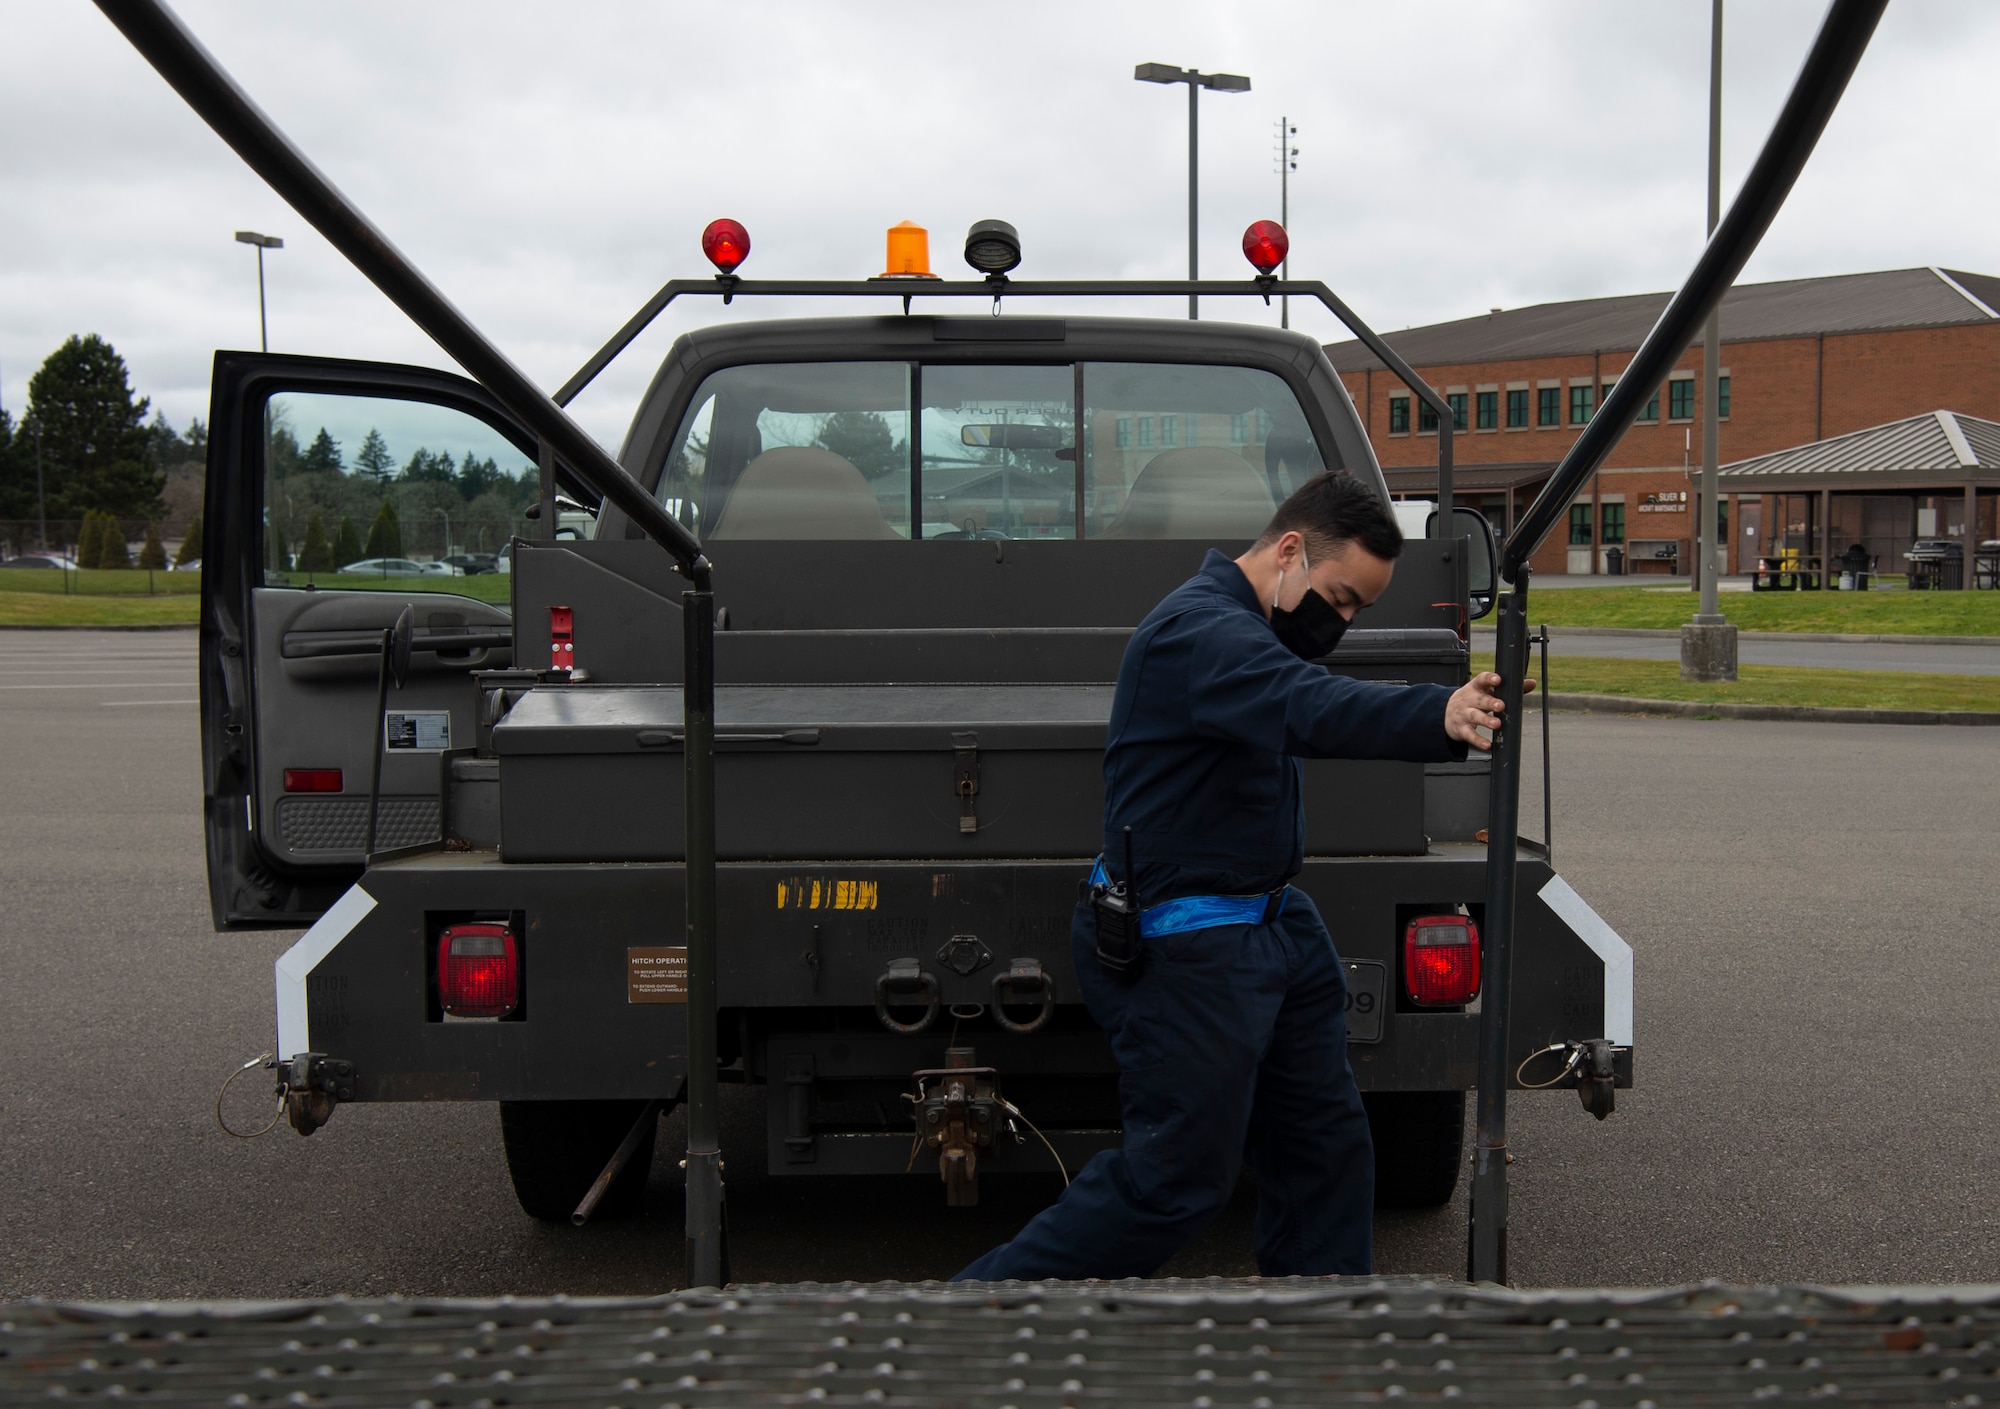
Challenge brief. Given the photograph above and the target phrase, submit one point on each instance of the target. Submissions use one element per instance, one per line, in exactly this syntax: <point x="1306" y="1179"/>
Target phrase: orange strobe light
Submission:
<point x="909" y="252"/>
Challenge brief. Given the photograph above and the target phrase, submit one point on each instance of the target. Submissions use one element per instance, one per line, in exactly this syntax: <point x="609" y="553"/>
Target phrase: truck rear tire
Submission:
<point x="1419" y="1146"/>
<point x="556" y="1150"/>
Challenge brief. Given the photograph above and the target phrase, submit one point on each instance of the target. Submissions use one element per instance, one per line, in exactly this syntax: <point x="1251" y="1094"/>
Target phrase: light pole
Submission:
<point x="1195" y="81"/>
<point x="1287" y="164"/>
<point x="447" y="531"/>
<point x="262" y="242"/>
<point x="41" y="505"/>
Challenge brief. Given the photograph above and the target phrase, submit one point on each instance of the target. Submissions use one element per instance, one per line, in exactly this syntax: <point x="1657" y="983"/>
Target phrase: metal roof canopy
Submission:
<point x="1938" y="449"/>
<point x="986" y="1345"/>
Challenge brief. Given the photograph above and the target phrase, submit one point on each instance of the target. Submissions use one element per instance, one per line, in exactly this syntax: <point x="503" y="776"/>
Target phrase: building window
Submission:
<point x="1124" y="432"/>
<point x="1722" y="398"/>
<point x="1579" y="523"/>
<point x="1605" y="394"/>
<point x="1550" y="412"/>
<point x="1399" y="415"/>
<point x="1427" y="419"/>
<point x="1489" y="410"/>
<point x="1580" y="406"/>
<point x="1680" y="399"/>
<point x="1263" y="425"/>
<point x="1145" y="430"/>
<point x="1457" y="400"/>
<point x="1517" y="410"/>
<point x="1170" y="430"/>
<point x="1652" y="411"/>
<point x="1239" y="429"/>
<point x="1614" y="523"/>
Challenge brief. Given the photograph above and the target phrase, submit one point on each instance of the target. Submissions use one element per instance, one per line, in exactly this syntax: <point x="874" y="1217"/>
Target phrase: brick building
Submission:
<point x="1803" y="360"/>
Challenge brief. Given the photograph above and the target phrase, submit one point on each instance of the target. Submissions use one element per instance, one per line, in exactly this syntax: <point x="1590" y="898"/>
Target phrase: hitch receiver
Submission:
<point x="312" y="1084"/>
<point x="959" y="1113"/>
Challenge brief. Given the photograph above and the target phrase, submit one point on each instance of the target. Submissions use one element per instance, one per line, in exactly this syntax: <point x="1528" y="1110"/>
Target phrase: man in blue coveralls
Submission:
<point x="1229" y="1030"/>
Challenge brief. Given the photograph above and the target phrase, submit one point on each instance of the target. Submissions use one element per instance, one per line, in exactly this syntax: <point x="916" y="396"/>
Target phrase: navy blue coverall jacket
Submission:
<point x="1230" y="1039"/>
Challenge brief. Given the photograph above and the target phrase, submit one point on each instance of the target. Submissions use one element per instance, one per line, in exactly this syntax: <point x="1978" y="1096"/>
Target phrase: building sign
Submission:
<point x="1672" y="501"/>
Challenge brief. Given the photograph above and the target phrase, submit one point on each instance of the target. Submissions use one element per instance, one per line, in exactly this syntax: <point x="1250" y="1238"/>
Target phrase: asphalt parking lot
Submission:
<point x="1811" y="907"/>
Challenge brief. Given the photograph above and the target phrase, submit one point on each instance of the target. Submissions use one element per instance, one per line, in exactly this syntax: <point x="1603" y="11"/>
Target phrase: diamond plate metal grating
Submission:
<point x="1208" y="1343"/>
<point x="340" y="824"/>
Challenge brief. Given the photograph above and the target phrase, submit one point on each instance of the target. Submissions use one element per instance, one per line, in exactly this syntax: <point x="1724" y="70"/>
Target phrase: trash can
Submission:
<point x="1854" y="569"/>
<point x="1614" y="562"/>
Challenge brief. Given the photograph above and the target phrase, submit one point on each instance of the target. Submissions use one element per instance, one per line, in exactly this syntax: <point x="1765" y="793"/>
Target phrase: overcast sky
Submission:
<point x="549" y="165"/>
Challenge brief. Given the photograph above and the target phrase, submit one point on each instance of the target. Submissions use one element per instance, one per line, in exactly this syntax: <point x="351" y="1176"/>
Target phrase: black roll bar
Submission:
<point x="158" y="34"/>
<point x="1836" y="51"/>
<point x="996" y="287"/>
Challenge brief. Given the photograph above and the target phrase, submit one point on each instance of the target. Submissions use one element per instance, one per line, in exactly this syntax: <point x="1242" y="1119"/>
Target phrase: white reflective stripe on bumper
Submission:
<point x="1606" y="943"/>
<point x="296" y="963"/>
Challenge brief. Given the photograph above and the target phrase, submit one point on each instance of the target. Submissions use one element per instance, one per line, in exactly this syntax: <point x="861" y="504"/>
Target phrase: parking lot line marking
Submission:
<point x="127" y="704"/>
<point x="99" y="685"/>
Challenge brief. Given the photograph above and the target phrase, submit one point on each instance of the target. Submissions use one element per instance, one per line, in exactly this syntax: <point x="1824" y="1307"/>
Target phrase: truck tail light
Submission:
<point x="312" y="780"/>
<point x="1441" y="960"/>
<point x="479" y="971"/>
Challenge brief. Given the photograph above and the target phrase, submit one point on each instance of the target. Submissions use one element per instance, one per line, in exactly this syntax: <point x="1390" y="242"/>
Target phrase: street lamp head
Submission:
<point x="1226" y="82"/>
<point x="251" y="237"/>
<point x="1163" y="73"/>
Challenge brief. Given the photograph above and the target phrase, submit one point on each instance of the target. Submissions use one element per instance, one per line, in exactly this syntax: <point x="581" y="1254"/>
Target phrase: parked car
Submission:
<point x="40" y="560"/>
<point x="403" y="567"/>
<point x="472" y="564"/>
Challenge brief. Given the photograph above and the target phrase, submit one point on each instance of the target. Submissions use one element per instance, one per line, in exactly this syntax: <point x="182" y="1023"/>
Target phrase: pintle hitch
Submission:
<point x="1590" y="1065"/>
<point x="311" y="1084"/>
<point x="959" y="1112"/>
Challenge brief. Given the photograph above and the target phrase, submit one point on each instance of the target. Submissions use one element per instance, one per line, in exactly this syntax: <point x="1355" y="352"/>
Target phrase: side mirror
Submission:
<point x="1483" y="555"/>
<point x="402" y="636"/>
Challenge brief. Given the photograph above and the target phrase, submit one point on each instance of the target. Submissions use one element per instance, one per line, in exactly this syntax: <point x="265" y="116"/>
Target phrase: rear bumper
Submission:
<point x="802" y="950"/>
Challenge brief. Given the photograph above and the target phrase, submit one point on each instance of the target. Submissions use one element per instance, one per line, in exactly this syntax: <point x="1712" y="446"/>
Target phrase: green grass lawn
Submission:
<point x="112" y="597"/>
<point x="1772" y="684"/>
<point x="1889" y="612"/>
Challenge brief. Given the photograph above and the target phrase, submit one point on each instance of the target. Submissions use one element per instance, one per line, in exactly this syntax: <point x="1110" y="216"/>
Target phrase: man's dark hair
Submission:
<point x="1332" y="510"/>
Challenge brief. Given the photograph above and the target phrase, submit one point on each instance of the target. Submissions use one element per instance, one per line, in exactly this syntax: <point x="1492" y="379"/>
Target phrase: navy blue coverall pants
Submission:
<point x="1232" y="1039"/>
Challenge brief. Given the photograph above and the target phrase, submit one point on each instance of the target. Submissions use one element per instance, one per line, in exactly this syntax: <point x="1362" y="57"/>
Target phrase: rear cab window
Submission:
<point x="895" y="449"/>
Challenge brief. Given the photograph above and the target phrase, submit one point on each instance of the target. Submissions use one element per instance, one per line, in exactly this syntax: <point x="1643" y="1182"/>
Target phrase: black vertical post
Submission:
<point x="1487" y="1256"/>
<point x="1194" y="181"/>
<point x="1445" y="428"/>
<point x="704" y="1154"/>
<point x="545" y="460"/>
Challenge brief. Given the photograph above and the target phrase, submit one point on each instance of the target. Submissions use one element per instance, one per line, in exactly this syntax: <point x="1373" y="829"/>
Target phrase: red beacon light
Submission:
<point x="726" y="243"/>
<point x="1441" y="960"/>
<point x="1265" y="245"/>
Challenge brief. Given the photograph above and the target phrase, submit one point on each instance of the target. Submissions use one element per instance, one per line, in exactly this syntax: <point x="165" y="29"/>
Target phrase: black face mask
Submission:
<point x="1311" y="629"/>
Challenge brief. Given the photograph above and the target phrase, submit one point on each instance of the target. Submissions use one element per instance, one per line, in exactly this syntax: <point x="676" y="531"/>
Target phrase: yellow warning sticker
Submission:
<point x="797" y="893"/>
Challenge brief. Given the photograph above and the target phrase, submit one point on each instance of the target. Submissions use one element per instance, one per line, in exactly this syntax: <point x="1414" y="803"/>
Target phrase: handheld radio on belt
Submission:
<point x="1116" y="908"/>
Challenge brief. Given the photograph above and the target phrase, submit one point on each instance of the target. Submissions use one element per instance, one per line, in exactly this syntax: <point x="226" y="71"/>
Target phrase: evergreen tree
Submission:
<point x="864" y="439"/>
<point x="316" y="554"/>
<point x="191" y="545"/>
<point x="88" y="540"/>
<point x="111" y="549"/>
<point x="17" y="469"/>
<point x="96" y="450"/>
<point x="373" y="458"/>
<point x="426" y="468"/>
<point x="476" y="477"/>
<point x="346" y="544"/>
<point x="385" y="535"/>
<point x="281" y="452"/>
<point x="322" y="457"/>
<point x="154" y="554"/>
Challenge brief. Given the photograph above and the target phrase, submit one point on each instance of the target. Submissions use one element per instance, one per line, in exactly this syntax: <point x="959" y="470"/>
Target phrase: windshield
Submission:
<point x="833" y="450"/>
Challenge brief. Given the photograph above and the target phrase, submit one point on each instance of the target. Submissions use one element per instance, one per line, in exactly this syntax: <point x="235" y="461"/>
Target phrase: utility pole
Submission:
<point x="262" y="242"/>
<point x="1195" y="81"/>
<point x="1708" y="643"/>
<point x="41" y="505"/>
<point x="1287" y="164"/>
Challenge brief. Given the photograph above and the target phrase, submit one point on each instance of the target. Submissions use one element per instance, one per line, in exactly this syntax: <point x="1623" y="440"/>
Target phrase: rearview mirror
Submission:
<point x="1470" y="527"/>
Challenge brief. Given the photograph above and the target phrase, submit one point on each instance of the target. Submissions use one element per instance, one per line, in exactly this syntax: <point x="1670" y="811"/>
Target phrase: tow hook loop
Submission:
<point x="965" y="769"/>
<point x="906" y="985"/>
<point x="1023" y="982"/>
<point x="1596" y="1081"/>
<point x="958" y="1111"/>
<point x="313" y="1084"/>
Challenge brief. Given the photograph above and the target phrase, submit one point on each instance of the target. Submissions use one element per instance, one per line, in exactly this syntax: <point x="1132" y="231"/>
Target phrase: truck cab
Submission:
<point x="932" y="537"/>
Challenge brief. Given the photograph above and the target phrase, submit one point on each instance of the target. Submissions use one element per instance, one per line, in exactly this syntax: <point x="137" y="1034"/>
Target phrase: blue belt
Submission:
<point x="1201" y="912"/>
